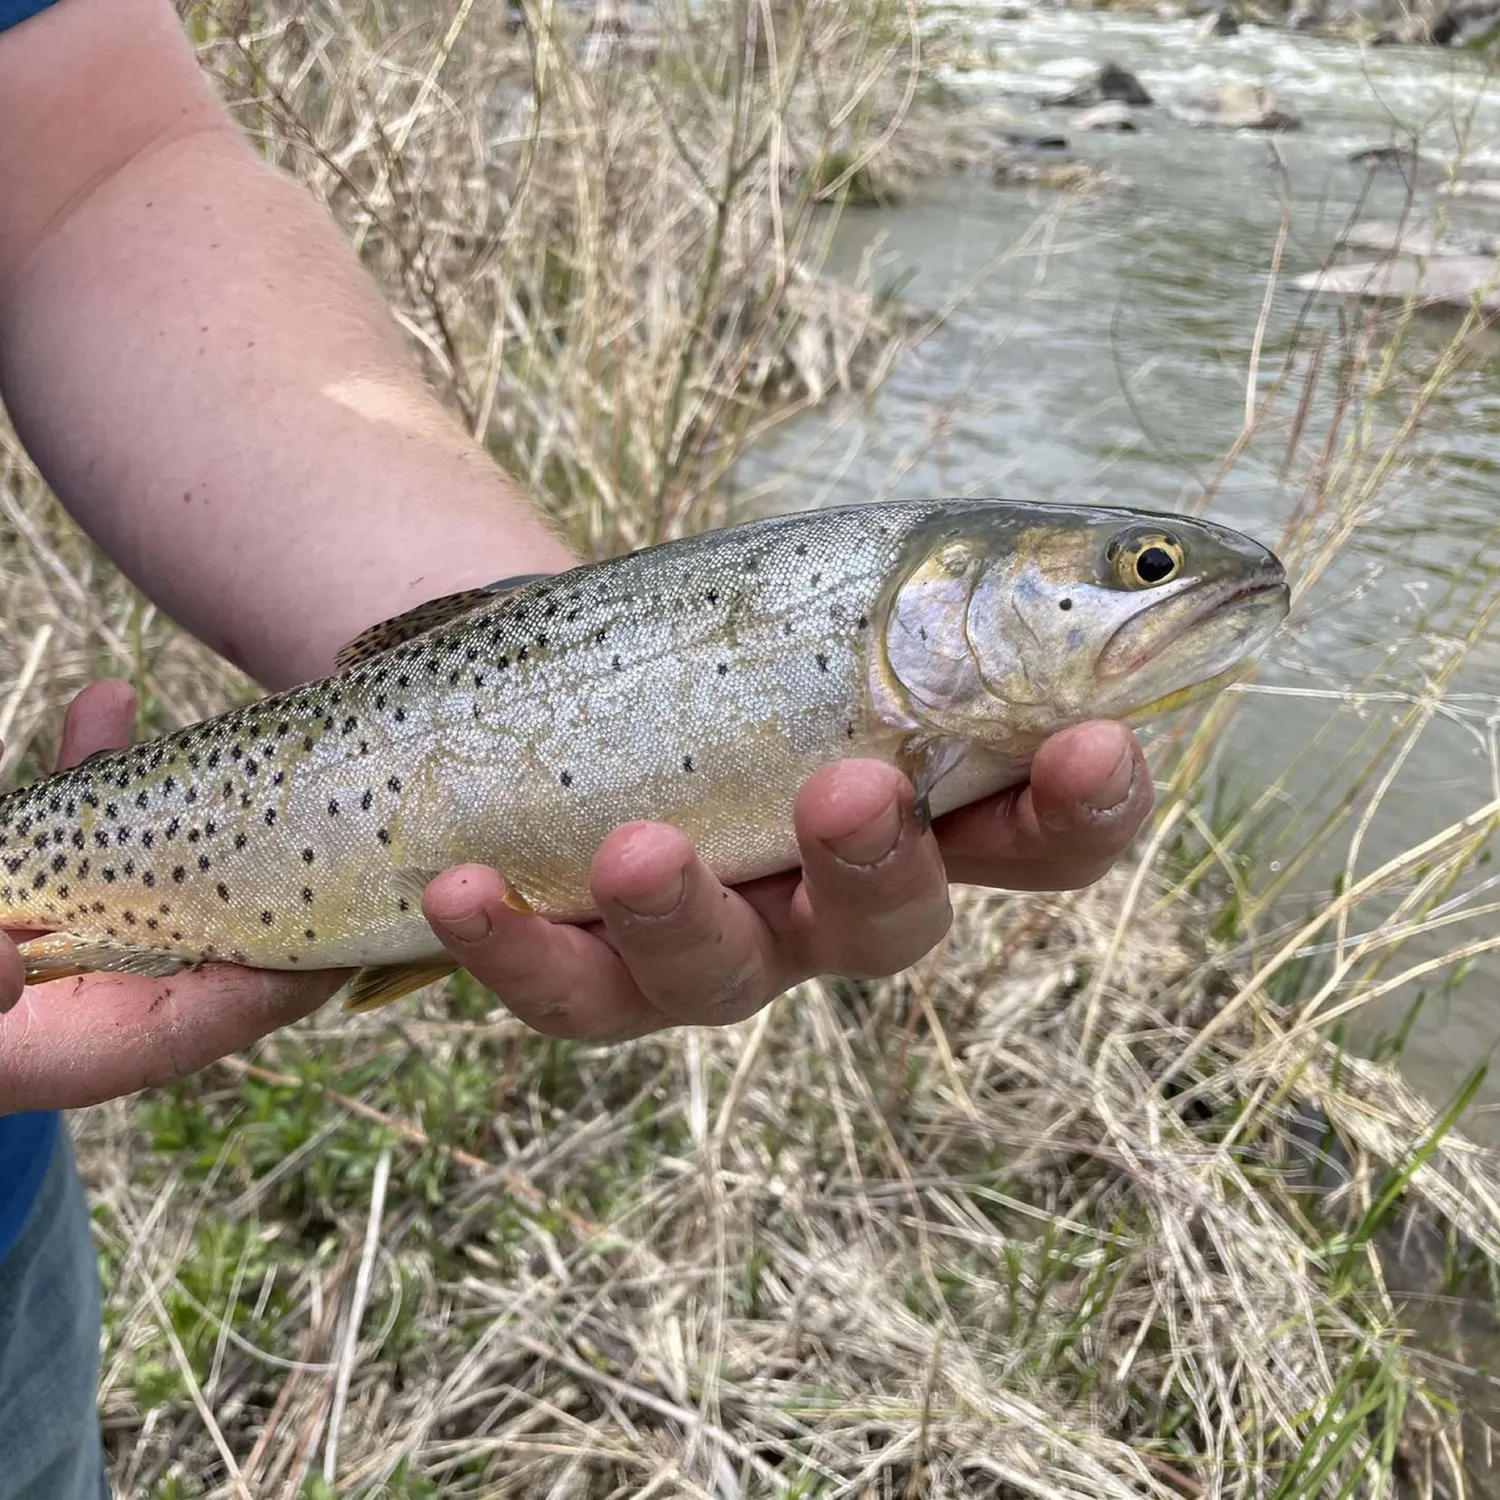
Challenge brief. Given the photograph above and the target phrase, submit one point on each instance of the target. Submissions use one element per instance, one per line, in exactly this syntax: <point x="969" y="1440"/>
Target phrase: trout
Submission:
<point x="699" y="682"/>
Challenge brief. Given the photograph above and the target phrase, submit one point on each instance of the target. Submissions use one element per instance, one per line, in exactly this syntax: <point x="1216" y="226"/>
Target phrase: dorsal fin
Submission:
<point x="425" y="617"/>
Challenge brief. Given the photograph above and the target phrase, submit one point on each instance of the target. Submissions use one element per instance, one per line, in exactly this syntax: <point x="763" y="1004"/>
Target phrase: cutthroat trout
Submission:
<point x="700" y="683"/>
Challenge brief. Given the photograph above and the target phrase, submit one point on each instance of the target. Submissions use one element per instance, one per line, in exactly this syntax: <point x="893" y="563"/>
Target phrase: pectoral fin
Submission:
<point x="925" y="761"/>
<point x="374" y="987"/>
<point x="61" y="955"/>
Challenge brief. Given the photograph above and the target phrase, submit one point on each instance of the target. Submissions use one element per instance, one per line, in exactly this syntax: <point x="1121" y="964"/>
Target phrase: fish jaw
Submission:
<point x="1207" y="638"/>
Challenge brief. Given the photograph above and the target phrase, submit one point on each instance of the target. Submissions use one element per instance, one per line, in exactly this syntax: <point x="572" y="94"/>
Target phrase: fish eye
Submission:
<point x="1146" y="560"/>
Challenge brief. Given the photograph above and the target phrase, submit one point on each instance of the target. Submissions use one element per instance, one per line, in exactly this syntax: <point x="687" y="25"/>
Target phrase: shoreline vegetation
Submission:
<point x="1093" y="1202"/>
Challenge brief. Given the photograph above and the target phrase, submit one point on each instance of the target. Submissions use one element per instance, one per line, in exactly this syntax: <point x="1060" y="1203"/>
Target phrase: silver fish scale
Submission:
<point x="700" y="684"/>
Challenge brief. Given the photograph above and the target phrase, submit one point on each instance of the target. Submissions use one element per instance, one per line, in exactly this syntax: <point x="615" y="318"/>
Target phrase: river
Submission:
<point x="1112" y="368"/>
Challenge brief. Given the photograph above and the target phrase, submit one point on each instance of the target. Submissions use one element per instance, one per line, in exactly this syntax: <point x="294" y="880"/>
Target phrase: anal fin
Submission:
<point x="61" y="955"/>
<point x="373" y="987"/>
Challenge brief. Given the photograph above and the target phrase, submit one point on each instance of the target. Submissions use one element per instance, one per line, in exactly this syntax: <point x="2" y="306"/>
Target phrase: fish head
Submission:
<point x="1013" y="627"/>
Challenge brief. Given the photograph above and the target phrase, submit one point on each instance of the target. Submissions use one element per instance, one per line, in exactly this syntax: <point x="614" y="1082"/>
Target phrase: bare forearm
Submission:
<point x="208" y="380"/>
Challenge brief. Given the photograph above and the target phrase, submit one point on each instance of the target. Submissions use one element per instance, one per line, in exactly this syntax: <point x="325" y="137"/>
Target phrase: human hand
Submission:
<point x="713" y="957"/>
<point x="676" y="947"/>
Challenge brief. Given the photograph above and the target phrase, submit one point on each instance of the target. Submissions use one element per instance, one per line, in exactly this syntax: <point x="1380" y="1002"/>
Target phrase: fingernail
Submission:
<point x="473" y="928"/>
<point x="870" y="844"/>
<point x="1117" y="788"/>
<point x="659" y="902"/>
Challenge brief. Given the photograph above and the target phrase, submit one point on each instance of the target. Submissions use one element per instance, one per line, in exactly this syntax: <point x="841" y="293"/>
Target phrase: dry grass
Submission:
<point x="1087" y="1204"/>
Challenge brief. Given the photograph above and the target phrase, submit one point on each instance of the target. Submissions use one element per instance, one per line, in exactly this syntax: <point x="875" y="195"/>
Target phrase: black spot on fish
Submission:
<point x="307" y="742"/>
<point x="141" y="799"/>
<point x="822" y="661"/>
<point x="223" y="891"/>
<point x="280" y="776"/>
<point x="307" y="856"/>
<point x="213" y="760"/>
<point x="148" y="880"/>
<point x="109" y="875"/>
<point x="172" y="828"/>
<point x="191" y="795"/>
<point x="205" y="863"/>
<point x="101" y="839"/>
<point x="309" y="934"/>
<point x="863" y="623"/>
<point x="78" y="838"/>
<point x="270" y="817"/>
<point x="110" y="810"/>
<point x="333" y="807"/>
<point x="394" y="783"/>
<point x="687" y="763"/>
<point x="251" y="767"/>
<point x="366" y="801"/>
<point x="148" y="838"/>
<point x="350" y="724"/>
<point x="614" y="663"/>
<point x="59" y="863"/>
<point x="240" y="840"/>
<point x="129" y="867"/>
<point x="402" y="904"/>
<point x="193" y="835"/>
<point x="401" y="716"/>
<point x="383" y="834"/>
<point x="723" y="669"/>
<point x="307" y="894"/>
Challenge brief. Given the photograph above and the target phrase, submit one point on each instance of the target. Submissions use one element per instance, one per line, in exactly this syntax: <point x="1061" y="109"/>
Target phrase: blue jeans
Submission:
<point x="49" y="1348"/>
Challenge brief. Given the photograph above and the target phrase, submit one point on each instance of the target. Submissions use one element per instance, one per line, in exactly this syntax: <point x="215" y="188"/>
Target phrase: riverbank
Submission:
<point x="1089" y="1203"/>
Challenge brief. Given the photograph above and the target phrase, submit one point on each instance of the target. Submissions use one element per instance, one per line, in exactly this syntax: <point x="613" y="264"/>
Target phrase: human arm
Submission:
<point x="209" y="382"/>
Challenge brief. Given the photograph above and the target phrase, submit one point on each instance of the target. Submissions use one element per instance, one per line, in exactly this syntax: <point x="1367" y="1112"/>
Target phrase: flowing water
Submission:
<point x="1105" y="359"/>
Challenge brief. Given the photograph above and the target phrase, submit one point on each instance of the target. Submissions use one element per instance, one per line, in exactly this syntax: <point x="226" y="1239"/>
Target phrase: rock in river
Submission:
<point x="1419" y="238"/>
<point x="1051" y="170"/>
<point x="1107" y="82"/>
<point x="1221" y="22"/>
<point x="1448" y="282"/>
<point x="1111" y="115"/>
<point x="1237" y="106"/>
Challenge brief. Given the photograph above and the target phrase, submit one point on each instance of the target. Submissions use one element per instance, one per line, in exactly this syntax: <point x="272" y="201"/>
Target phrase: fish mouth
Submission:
<point x="1239" y="614"/>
